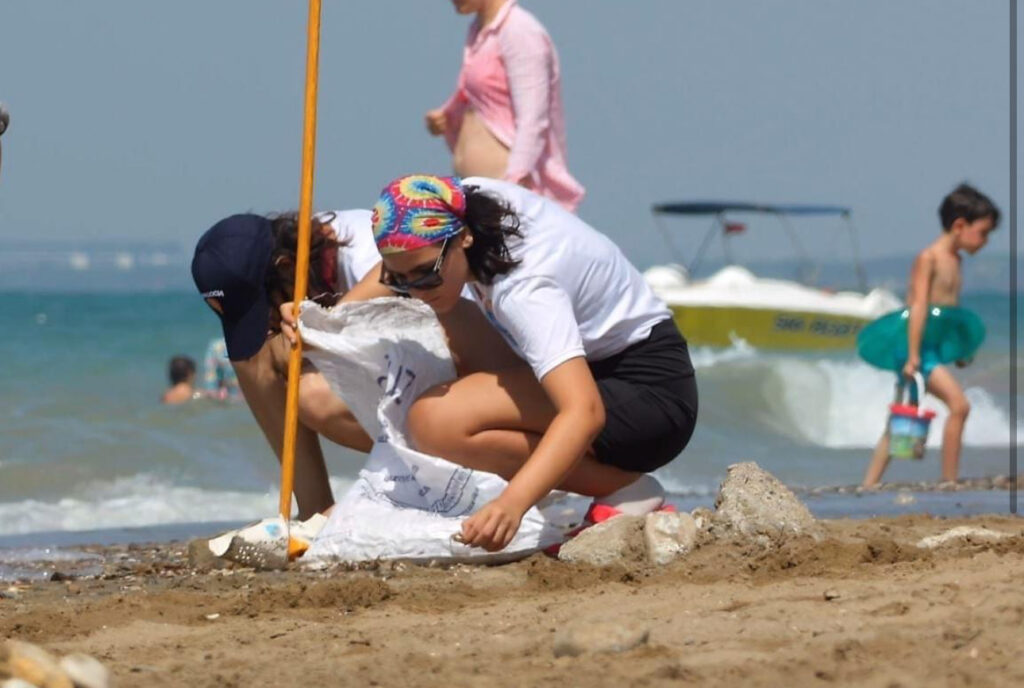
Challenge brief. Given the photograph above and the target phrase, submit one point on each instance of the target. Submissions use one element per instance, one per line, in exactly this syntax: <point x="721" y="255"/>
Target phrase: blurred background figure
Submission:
<point x="505" y="119"/>
<point x="219" y="380"/>
<point x="5" y="119"/>
<point x="182" y="373"/>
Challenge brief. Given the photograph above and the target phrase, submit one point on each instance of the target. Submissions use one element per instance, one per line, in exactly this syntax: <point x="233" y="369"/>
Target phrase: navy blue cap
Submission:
<point x="230" y="268"/>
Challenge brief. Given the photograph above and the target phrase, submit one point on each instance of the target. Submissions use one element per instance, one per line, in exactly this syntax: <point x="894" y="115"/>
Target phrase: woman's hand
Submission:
<point x="288" y="322"/>
<point x="436" y="121"/>
<point x="494" y="525"/>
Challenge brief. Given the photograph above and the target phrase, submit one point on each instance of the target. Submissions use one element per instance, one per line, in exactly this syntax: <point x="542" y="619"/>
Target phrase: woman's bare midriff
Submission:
<point x="477" y="152"/>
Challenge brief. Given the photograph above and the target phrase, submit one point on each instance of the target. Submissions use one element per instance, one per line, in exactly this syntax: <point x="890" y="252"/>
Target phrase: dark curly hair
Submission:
<point x="323" y="263"/>
<point x="491" y="222"/>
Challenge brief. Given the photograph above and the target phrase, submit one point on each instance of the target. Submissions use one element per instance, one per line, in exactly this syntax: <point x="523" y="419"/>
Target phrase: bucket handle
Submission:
<point x="914" y="392"/>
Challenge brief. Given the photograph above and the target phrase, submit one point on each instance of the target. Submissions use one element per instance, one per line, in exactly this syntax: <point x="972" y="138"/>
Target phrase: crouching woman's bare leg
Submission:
<point x="493" y="416"/>
<point x="262" y="380"/>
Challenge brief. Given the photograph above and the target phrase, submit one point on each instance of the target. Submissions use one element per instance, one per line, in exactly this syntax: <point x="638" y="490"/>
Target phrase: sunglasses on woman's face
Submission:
<point x="431" y="280"/>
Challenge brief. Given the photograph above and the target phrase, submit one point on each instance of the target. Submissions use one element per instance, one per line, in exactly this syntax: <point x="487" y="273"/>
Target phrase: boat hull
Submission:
<point x="766" y="328"/>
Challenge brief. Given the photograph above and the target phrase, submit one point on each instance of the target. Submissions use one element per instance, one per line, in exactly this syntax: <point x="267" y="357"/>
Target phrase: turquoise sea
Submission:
<point x="87" y="453"/>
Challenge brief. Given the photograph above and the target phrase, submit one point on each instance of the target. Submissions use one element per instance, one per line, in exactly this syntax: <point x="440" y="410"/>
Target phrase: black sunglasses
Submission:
<point x="431" y="280"/>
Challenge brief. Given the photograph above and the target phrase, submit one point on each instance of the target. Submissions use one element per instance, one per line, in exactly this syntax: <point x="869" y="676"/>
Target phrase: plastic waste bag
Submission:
<point x="379" y="356"/>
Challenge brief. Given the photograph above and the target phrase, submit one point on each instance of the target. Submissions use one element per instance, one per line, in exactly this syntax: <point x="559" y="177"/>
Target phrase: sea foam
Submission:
<point x="139" y="501"/>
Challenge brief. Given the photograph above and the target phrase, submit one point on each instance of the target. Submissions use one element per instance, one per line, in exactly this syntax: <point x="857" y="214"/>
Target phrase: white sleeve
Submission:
<point x="538" y="316"/>
<point x="358" y="254"/>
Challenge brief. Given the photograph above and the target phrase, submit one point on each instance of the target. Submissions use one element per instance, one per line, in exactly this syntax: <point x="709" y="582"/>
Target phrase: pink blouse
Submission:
<point x="510" y="77"/>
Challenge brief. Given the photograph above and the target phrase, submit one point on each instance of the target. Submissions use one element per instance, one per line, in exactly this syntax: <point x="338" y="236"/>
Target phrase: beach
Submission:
<point x="89" y="457"/>
<point x="772" y="178"/>
<point x="865" y="605"/>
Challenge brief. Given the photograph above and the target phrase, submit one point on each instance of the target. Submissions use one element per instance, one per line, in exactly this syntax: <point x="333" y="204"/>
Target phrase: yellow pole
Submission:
<point x="291" y="413"/>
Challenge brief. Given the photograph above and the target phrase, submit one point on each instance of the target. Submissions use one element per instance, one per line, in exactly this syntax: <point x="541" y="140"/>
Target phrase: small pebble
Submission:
<point x="85" y="671"/>
<point x="33" y="664"/>
<point x="831" y="595"/>
<point x="212" y="617"/>
<point x="581" y="638"/>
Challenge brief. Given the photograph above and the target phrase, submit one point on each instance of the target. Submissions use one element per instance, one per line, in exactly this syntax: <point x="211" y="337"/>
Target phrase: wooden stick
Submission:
<point x="291" y="413"/>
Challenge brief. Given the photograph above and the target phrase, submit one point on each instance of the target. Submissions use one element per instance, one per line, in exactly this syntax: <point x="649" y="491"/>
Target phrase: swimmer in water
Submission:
<point x="181" y="370"/>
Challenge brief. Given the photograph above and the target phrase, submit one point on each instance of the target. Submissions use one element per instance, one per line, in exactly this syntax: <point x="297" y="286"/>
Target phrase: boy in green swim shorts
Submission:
<point x="968" y="216"/>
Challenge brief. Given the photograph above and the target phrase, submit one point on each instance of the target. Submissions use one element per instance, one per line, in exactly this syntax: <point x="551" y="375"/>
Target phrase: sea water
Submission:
<point x="87" y="452"/>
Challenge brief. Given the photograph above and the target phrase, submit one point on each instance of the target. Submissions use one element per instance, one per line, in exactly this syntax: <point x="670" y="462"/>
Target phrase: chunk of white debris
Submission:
<point x="85" y="671"/>
<point x="969" y="533"/>
<point x="668" y="535"/>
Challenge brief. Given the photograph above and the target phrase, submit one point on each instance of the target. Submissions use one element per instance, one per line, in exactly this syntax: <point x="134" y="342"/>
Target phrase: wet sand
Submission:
<point x="865" y="606"/>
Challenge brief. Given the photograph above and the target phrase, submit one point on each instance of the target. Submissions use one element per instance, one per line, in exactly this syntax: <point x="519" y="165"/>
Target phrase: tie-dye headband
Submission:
<point x="416" y="211"/>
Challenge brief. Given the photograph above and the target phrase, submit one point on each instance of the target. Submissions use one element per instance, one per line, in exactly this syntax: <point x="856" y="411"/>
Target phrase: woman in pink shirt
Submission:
<point x="505" y="118"/>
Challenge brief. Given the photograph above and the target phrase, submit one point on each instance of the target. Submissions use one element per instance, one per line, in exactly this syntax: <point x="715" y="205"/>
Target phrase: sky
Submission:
<point x="148" y="121"/>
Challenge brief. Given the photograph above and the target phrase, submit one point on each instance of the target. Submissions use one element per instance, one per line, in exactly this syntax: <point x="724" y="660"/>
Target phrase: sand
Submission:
<point x="865" y="606"/>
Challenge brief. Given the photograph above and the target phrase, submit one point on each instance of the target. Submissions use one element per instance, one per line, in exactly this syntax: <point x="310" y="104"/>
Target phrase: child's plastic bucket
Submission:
<point x="908" y="422"/>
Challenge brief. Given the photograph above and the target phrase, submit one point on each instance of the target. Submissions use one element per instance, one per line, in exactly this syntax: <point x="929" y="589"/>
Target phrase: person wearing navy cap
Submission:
<point x="230" y="269"/>
<point x="244" y="268"/>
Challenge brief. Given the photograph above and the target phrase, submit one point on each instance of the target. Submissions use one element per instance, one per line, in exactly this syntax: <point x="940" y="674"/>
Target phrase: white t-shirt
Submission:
<point x="358" y="253"/>
<point x="573" y="294"/>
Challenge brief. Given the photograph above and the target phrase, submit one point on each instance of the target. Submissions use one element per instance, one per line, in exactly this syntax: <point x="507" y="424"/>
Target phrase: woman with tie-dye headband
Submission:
<point x="607" y="393"/>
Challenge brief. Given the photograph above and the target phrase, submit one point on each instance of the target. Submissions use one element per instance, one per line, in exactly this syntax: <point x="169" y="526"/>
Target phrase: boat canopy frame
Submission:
<point x="718" y="210"/>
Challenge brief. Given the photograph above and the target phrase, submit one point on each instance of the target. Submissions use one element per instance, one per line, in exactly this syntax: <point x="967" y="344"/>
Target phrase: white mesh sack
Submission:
<point x="379" y="356"/>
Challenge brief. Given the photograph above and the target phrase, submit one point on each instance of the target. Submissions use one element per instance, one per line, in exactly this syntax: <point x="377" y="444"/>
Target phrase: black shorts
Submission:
<point x="650" y="401"/>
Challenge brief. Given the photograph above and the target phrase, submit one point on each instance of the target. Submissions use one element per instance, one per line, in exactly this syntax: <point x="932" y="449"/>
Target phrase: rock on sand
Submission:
<point x="668" y="535"/>
<point x="85" y="671"/>
<point x="752" y="503"/>
<point x="32" y="664"/>
<point x="615" y="541"/>
<point x="24" y="664"/>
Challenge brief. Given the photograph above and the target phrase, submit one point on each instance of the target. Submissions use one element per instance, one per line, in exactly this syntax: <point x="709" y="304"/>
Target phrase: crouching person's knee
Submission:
<point x="429" y="431"/>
